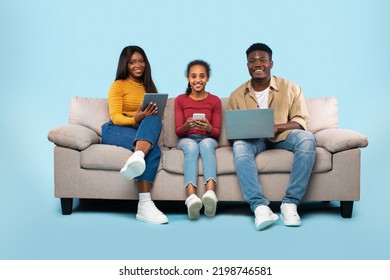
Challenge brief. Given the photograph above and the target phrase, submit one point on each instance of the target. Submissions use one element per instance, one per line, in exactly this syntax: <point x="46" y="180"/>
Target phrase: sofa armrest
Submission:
<point x="73" y="136"/>
<point x="337" y="139"/>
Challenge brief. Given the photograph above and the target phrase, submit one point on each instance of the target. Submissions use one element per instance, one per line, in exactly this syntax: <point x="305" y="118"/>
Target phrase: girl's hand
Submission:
<point x="190" y="123"/>
<point x="150" y="110"/>
<point x="203" y="124"/>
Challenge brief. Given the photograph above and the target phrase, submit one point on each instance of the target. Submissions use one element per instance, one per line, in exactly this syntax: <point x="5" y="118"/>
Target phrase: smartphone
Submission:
<point x="197" y="116"/>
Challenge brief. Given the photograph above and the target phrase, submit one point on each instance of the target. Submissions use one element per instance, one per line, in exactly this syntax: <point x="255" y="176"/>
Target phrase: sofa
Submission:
<point x="86" y="169"/>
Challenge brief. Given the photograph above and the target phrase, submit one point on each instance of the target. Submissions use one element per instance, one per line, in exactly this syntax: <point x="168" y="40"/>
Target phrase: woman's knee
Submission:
<point x="153" y="121"/>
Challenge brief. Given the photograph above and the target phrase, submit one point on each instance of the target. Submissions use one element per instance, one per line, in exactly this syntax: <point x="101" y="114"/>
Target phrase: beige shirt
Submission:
<point x="285" y="98"/>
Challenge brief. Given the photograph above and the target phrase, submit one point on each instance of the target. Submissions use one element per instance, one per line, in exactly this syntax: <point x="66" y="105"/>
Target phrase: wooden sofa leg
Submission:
<point x="66" y="205"/>
<point x="346" y="208"/>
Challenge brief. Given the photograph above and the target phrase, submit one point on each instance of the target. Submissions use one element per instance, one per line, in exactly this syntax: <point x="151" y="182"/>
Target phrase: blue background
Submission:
<point x="52" y="50"/>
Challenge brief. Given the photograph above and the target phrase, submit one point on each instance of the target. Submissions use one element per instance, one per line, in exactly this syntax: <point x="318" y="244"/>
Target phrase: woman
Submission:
<point x="198" y="136"/>
<point x="135" y="129"/>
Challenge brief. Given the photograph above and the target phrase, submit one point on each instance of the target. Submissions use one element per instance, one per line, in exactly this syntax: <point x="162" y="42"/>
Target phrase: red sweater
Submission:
<point x="185" y="107"/>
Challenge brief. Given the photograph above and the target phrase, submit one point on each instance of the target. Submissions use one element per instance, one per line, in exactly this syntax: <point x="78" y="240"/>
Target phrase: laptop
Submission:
<point x="159" y="98"/>
<point x="249" y="124"/>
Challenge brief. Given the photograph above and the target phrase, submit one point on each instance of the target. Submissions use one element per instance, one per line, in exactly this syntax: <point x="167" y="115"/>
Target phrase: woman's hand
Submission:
<point x="150" y="110"/>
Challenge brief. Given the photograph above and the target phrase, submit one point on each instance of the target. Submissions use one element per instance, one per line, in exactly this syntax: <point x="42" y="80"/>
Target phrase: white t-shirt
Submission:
<point x="262" y="98"/>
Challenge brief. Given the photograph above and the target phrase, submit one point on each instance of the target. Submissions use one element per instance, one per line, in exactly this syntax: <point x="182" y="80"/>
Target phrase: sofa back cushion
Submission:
<point x="170" y="138"/>
<point x="89" y="112"/>
<point x="323" y="113"/>
<point x="93" y="113"/>
<point x="223" y="142"/>
<point x="169" y="133"/>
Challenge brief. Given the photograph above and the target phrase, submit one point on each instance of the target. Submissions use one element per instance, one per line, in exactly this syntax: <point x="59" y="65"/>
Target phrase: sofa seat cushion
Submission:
<point x="105" y="157"/>
<point x="270" y="161"/>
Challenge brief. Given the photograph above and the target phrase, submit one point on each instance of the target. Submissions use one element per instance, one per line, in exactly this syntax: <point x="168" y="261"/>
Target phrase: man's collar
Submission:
<point x="272" y="85"/>
<point x="248" y="87"/>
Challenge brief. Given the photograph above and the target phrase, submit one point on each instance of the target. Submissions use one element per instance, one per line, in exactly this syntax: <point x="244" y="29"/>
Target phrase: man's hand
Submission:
<point x="278" y="128"/>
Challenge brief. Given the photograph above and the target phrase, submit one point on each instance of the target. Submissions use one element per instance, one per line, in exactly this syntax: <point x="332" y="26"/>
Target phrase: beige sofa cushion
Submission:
<point x="336" y="139"/>
<point x="323" y="113"/>
<point x="222" y="141"/>
<point x="105" y="157"/>
<point x="73" y="136"/>
<point x="89" y="112"/>
<point x="92" y="113"/>
<point x="169" y="133"/>
<point x="170" y="138"/>
<point x="270" y="161"/>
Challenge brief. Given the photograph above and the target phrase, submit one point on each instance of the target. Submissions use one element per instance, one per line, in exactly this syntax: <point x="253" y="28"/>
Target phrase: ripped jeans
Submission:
<point x="301" y="143"/>
<point x="194" y="145"/>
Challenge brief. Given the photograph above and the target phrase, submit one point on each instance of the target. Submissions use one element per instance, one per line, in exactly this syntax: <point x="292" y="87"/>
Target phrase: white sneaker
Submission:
<point x="194" y="204"/>
<point x="289" y="215"/>
<point x="134" y="167"/>
<point x="264" y="217"/>
<point x="148" y="212"/>
<point x="210" y="200"/>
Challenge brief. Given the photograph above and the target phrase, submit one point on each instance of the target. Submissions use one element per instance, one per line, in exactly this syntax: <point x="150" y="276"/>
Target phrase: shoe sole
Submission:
<point x="210" y="206"/>
<point x="133" y="170"/>
<point x="290" y="224"/>
<point x="193" y="210"/>
<point x="267" y="223"/>
<point x="143" y="219"/>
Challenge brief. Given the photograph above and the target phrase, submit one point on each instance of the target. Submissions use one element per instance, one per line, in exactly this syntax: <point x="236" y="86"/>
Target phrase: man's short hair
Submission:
<point x="259" y="47"/>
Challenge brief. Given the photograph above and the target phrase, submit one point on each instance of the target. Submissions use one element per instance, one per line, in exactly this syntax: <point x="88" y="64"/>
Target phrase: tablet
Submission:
<point x="159" y="98"/>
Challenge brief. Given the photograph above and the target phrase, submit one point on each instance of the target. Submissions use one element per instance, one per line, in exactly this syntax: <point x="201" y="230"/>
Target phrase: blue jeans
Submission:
<point x="301" y="143"/>
<point x="194" y="145"/>
<point x="126" y="137"/>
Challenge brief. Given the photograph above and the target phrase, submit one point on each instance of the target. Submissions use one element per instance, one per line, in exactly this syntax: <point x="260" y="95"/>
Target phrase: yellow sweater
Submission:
<point x="124" y="99"/>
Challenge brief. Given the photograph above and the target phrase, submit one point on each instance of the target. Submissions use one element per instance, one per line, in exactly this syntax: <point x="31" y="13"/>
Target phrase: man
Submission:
<point x="291" y="120"/>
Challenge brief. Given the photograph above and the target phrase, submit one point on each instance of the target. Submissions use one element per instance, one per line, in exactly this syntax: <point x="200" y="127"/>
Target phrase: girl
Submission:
<point x="198" y="136"/>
